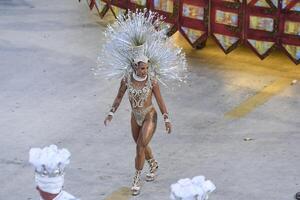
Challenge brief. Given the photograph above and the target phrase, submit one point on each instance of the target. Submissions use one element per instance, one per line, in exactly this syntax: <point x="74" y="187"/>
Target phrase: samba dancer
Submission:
<point x="139" y="48"/>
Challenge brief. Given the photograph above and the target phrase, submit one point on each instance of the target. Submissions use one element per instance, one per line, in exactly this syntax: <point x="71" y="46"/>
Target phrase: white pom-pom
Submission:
<point x="34" y="158"/>
<point x="195" y="189"/>
<point x="209" y="187"/>
<point x="50" y="158"/>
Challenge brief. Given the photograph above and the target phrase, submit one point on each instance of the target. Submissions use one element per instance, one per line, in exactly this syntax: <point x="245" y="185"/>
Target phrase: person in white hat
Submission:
<point x="49" y="164"/>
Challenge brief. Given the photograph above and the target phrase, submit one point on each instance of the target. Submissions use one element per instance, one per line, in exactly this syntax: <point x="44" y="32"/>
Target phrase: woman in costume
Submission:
<point x="137" y="47"/>
<point x="141" y="88"/>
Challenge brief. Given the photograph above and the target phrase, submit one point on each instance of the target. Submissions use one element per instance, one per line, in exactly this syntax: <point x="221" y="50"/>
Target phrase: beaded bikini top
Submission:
<point x="138" y="96"/>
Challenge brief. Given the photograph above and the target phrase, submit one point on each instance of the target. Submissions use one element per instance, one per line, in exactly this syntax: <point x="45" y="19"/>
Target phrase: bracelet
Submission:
<point x="167" y="120"/>
<point x="165" y="115"/>
<point x="113" y="109"/>
<point x="111" y="113"/>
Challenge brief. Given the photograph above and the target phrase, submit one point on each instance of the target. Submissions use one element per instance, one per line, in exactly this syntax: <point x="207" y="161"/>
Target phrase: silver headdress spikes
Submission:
<point x="142" y="29"/>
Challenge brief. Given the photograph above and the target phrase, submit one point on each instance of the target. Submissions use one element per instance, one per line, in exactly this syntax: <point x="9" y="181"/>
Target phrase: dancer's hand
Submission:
<point x="108" y="120"/>
<point x="168" y="127"/>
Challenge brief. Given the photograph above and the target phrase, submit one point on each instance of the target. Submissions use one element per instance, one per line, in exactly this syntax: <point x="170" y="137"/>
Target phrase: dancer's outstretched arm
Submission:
<point x="162" y="105"/>
<point x="117" y="102"/>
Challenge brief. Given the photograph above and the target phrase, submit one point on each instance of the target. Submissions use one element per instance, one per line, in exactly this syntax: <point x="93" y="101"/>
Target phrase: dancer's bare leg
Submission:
<point x="148" y="152"/>
<point x="145" y="136"/>
<point x="142" y="136"/>
<point x="135" y="129"/>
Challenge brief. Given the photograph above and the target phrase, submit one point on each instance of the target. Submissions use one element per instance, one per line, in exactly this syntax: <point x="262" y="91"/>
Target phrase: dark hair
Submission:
<point x="140" y="62"/>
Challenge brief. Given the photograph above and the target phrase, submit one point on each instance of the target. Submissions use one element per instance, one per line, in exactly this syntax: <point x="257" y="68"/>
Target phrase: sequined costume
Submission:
<point x="138" y="51"/>
<point x="137" y="97"/>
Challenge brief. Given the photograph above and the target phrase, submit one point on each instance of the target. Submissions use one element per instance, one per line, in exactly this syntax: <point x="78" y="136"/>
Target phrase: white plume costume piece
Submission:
<point x="196" y="189"/>
<point x="51" y="185"/>
<point x="49" y="164"/>
<point x="140" y="36"/>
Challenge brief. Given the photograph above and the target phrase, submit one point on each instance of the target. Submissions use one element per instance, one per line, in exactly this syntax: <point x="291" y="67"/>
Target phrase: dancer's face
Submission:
<point x="142" y="69"/>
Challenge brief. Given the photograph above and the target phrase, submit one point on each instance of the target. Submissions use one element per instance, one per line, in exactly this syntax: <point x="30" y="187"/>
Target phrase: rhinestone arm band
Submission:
<point x="111" y="113"/>
<point x="165" y="115"/>
<point x="167" y="120"/>
<point x="113" y="109"/>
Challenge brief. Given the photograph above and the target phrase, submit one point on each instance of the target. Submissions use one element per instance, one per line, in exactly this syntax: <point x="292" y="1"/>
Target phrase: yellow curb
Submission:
<point x="122" y="193"/>
<point x="260" y="98"/>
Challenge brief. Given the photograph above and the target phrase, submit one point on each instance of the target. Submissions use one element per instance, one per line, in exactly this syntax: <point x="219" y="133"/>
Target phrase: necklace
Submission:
<point x="137" y="78"/>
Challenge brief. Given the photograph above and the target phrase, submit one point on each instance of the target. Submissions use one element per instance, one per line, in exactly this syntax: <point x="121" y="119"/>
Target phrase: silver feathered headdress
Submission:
<point x="138" y="54"/>
<point x="141" y="34"/>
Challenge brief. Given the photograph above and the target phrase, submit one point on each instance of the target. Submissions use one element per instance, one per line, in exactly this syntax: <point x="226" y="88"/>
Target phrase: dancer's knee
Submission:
<point x="140" y="149"/>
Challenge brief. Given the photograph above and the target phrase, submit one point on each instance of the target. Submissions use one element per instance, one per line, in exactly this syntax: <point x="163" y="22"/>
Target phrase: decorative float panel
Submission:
<point x="102" y="7"/>
<point x="193" y="21"/>
<point x="262" y="26"/>
<point x="290" y="29"/>
<point x="226" y="23"/>
<point x="169" y="10"/>
<point x="118" y="7"/>
<point x="137" y="4"/>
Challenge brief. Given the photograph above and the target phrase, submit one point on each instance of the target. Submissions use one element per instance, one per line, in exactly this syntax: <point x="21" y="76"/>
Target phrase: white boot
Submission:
<point x="136" y="185"/>
<point x="153" y="166"/>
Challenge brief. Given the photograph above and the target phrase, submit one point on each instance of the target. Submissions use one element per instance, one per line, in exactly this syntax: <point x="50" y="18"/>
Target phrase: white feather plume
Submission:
<point x="166" y="61"/>
<point x="49" y="159"/>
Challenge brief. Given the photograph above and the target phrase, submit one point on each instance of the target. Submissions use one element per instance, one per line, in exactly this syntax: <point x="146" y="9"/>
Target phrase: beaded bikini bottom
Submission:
<point x="140" y="114"/>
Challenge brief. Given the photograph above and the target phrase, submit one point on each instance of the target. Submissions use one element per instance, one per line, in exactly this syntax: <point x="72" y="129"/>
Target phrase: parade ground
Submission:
<point x="235" y="121"/>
